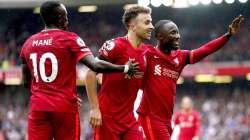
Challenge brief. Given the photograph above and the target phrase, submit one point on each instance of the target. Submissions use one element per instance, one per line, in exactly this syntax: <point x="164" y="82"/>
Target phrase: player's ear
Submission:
<point x="60" y="19"/>
<point x="132" y="25"/>
<point x="159" y="36"/>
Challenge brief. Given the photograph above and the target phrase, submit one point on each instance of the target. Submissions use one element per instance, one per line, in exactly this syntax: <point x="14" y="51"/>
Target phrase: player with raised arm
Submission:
<point x="49" y="70"/>
<point x="112" y="113"/>
<point x="164" y="66"/>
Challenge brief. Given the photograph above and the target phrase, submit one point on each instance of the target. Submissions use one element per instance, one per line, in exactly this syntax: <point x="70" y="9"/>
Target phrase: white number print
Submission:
<point x="42" y="60"/>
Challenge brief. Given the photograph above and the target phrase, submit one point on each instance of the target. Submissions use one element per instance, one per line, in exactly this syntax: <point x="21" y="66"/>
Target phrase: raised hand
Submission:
<point x="235" y="25"/>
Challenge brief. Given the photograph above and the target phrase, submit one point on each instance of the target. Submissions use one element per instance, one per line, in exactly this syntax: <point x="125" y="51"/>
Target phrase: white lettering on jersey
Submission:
<point x="157" y="70"/>
<point x="44" y="42"/>
<point x="80" y="42"/>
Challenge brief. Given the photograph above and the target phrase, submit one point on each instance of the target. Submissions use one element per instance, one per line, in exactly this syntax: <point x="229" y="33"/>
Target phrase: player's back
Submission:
<point x="117" y="94"/>
<point x="50" y="57"/>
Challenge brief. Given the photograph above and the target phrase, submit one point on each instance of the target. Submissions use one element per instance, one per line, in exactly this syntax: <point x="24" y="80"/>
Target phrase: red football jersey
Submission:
<point x="189" y="124"/>
<point x="51" y="56"/>
<point x="117" y="94"/>
<point x="159" y="83"/>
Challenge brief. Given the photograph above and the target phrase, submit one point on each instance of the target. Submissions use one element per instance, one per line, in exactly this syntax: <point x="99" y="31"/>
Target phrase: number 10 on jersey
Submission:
<point x="41" y="63"/>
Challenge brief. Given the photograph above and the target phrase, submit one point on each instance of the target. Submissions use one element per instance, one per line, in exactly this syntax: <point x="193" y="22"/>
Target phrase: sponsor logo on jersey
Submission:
<point x="159" y="70"/>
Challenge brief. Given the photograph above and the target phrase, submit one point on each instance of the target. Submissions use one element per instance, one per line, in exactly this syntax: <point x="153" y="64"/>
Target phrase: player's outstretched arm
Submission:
<point x="95" y="117"/>
<point x="102" y="66"/>
<point x="214" y="45"/>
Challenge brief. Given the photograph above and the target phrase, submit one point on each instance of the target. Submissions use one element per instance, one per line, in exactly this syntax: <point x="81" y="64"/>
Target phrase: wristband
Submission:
<point x="126" y="68"/>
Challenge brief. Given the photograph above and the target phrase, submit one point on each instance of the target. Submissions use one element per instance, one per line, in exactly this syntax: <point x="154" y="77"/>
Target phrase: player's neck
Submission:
<point x="165" y="48"/>
<point x="134" y="40"/>
<point x="51" y="27"/>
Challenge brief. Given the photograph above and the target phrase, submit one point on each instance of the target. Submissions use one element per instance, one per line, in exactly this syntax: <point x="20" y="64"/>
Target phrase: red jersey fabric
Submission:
<point x="189" y="124"/>
<point x="51" y="56"/>
<point x="163" y="70"/>
<point x="159" y="83"/>
<point x="117" y="94"/>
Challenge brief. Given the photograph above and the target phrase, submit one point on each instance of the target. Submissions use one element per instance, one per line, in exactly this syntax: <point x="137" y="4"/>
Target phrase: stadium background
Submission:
<point x="219" y="85"/>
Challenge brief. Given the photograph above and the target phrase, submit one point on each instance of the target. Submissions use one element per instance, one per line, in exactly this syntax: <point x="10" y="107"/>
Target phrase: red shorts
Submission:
<point x="112" y="130"/>
<point x="154" y="129"/>
<point x="44" y="125"/>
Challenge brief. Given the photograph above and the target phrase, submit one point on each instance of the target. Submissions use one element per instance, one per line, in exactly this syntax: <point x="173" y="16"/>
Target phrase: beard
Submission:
<point x="167" y="47"/>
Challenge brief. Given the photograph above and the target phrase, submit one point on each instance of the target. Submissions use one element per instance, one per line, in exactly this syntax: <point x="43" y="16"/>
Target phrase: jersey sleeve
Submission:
<point x="109" y="50"/>
<point x="198" y="54"/>
<point x="78" y="47"/>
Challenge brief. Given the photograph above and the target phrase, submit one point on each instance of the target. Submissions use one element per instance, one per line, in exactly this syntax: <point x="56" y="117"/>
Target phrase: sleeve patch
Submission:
<point x="80" y="42"/>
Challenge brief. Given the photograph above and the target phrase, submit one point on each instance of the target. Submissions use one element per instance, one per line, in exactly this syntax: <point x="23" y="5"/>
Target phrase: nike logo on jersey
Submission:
<point x="176" y="61"/>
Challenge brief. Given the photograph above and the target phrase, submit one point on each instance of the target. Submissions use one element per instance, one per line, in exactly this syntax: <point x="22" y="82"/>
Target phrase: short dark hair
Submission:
<point x="48" y="12"/>
<point x="133" y="12"/>
<point x="159" y="24"/>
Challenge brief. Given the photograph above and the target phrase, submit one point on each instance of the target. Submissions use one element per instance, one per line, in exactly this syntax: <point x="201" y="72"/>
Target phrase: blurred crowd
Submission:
<point x="197" y="26"/>
<point x="224" y="109"/>
<point x="225" y="112"/>
<point x="14" y="108"/>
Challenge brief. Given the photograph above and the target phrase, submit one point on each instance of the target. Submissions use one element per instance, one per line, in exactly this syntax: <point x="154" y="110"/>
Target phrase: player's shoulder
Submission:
<point x="184" y="51"/>
<point x="71" y="36"/>
<point x="67" y="34"/>
<point x="114" y="43"/>
<point x="180" y="52"/>
<point x="36" y="35"/>
<point x="149" y="47"/>
<point x="118" y="41"/>
<point x="62" y="34"/>
<point x="30" y="38"/>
